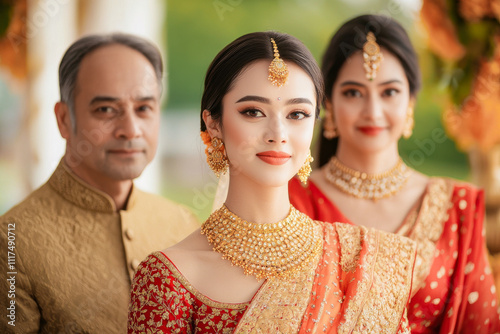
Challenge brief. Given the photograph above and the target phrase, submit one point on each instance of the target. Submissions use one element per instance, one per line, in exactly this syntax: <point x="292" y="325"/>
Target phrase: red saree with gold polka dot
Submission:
<point x="453" y="290"/>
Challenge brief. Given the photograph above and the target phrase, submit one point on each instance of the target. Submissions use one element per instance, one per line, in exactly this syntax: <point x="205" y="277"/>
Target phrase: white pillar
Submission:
<point x="50" y="29"/>
<point x="52" y="26"/>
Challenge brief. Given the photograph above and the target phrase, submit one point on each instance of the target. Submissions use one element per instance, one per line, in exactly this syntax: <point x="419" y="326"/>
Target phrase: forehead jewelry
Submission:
<point x="372" y="56"/>
<point x="278" y="71"/>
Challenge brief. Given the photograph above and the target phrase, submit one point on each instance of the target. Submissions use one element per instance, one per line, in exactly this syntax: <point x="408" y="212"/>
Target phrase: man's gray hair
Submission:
<point x="70" y="63"/>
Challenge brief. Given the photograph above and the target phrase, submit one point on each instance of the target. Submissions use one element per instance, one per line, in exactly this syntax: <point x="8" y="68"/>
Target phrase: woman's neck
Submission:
<point x="257" y="203"/>
<point x="370" y="163"/>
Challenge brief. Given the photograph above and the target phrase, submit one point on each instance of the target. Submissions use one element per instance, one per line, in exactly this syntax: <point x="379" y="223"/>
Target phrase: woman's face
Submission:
<point x="267" y="130"/>
<point x="370" y="115"/>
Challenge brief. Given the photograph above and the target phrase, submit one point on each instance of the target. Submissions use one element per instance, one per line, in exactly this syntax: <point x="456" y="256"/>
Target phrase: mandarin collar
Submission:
<point x="80" y="193"/>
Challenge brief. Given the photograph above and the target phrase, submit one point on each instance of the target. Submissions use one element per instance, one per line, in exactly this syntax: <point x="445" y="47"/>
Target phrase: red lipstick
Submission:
<point x="370" y="130"/>
<point x="274" y="157"/>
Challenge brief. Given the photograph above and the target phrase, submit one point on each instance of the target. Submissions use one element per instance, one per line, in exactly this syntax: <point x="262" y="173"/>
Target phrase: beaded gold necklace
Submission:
<point x="367" y="186"/>
<point x="276" y="250"/>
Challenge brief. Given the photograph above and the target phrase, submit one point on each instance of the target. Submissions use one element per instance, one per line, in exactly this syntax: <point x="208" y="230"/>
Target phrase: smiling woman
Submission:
<point x="258" y="264"/>
<point x="261" y="131"/>
<point x="370" y="94"/>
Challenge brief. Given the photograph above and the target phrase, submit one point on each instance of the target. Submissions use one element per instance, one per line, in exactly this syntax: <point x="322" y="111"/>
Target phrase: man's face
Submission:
<point x="117" y="116"/>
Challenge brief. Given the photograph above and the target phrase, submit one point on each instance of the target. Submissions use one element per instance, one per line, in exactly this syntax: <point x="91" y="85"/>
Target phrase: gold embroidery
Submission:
<point x="404" y="326"/>
<point x="355" y="305"/>
<point x="389" y="294"/>
<point x="201" y="297"/>
<point x="279" y="305"/>
<point x="379" y="287"/>
<point x="428" y="227"/>
<point x="154" y="306"/>
<point x="379" y="304"/>
<point x="81" y="194"/>
<point x="350" y="241"/>
<point x="327" y="298"/>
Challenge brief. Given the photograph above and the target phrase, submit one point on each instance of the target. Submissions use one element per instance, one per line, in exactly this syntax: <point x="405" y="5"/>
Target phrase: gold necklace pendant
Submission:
<point x="276" y="250"/>
<point x="367" y="186"/>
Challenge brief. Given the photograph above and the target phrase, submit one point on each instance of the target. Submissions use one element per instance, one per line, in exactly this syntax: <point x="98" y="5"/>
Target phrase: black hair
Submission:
<point x="350" y="38"/>
<point x="243" y="51"/>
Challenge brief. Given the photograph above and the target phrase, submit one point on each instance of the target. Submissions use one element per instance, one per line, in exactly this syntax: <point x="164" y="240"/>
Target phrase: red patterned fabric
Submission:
<point x="164" y="302"/>
<point x="361" y="282"/>
<point x="456" y="294"/>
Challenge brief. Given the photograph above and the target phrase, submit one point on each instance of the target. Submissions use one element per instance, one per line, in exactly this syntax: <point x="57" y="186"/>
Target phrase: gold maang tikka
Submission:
<point x="372" y="56"/>
<point x="278" y="71"/>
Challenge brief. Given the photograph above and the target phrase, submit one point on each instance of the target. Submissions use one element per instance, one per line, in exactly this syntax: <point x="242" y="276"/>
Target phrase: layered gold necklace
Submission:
<point x="276" y="250"/>
<point x="367" y="186"/>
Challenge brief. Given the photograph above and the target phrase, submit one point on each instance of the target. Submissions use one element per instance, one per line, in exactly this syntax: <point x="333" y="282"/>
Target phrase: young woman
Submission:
<point x="257" y="264"/>
<point x="371" y="81"/>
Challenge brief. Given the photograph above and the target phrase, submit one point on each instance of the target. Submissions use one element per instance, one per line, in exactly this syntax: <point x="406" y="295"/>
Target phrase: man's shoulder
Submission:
<point x="32" y="206"/>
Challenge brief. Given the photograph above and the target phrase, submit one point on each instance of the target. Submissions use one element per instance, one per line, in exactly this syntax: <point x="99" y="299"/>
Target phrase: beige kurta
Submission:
<point x="72" y="256"/>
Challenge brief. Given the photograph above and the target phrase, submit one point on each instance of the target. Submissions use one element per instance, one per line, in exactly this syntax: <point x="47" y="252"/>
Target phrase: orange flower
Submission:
<point x="474" y="10"/>
<point x="13" y="44"/>
<point x="476" y="122"/>
<point x="443" y="39"/>
<point x="495" y="9"/>
<point x="205" y="137"/>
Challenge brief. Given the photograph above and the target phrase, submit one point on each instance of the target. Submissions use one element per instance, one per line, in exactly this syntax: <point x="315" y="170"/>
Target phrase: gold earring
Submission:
<point x="409" y="122"/>
<point x="216" y="156"/>
<point x="329" y="130"/>
<point x="305" y="170"/>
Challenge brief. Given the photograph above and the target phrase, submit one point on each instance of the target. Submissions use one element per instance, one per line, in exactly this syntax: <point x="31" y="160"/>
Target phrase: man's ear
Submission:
<point x="61" y="111"/>
<point x="213" y="127"/>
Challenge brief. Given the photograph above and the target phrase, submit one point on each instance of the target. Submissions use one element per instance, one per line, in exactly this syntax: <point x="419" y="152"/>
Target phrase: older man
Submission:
<point x="71" y="247"/>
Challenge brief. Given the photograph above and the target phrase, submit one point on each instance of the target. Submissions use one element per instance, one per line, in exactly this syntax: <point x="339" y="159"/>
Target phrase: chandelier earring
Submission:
<point x="409" y="123"/>
<point x="305" y="170"/>
<point x="329" y="128"/>
<point x="216" y="154"/>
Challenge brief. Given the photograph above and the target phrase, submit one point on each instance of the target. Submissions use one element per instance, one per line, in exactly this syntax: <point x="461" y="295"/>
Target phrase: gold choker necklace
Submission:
<point x="276" y="250"/>
<point x="367" y="186"/>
